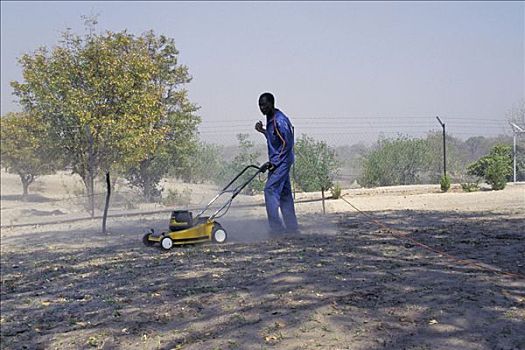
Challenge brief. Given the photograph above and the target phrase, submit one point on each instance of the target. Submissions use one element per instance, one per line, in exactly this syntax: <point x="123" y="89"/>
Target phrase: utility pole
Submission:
<point x="444" y="148"/>
<point x="516" y="130"/>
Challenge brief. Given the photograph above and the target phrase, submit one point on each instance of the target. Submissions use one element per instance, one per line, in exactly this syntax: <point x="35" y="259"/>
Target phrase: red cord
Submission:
<point x="403" y="235"/>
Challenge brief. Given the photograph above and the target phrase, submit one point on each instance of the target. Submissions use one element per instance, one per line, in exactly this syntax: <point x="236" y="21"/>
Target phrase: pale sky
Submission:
<point x="339" y="70"/>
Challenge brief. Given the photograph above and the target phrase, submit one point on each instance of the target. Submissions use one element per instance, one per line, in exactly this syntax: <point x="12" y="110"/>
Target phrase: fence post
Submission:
<point x="516" y="130"/>
<point x="444" y="148"/>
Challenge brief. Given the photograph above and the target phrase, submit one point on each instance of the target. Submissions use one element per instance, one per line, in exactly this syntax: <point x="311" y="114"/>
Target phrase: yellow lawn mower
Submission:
<point x="184" y="228"/>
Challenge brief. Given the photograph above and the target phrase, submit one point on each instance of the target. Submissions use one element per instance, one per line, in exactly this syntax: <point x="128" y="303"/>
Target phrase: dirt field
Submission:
<point x="344" y="283"/>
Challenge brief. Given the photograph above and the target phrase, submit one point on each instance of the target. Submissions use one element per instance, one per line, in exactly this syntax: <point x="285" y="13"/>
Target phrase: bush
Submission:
<point x="316" y="164"/>
<point x="497" y="173"/>
<point x="494" y="168"/>
<point x="395" y="161"/>
<point x="247" y="155"/>
<point x="175" y="197"/>
<point x="445" y="183"/>
<point x="336" y="191"/>
<point x="470" y="186"/>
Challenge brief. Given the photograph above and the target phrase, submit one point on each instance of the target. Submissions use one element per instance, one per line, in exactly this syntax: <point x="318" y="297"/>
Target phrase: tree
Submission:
<point x="458" y="157"/>
<point x="246" y="156"/>
<point x="204" y="164"/>
<point x="173" y="153"/>
<point x="25" y="148"/>
<point x="98" y="95"/>
<point x="316" y="164"/>
<point x="495" y="168"/>
<point x="399" y="161"/>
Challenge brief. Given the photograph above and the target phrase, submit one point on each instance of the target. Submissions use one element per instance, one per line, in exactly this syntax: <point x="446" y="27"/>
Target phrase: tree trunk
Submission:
<point x="26" y="179"/>
<point x="90" y="172"/>
<point x="106" y="207"/>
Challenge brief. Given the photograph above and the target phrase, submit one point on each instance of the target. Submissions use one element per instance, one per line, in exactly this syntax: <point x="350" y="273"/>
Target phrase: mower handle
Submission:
<point x="236" y="191"/>
<point x="261" y="169"/>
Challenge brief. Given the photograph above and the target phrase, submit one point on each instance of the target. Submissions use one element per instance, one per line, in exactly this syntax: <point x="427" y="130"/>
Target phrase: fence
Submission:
<point x="351" y="137"/>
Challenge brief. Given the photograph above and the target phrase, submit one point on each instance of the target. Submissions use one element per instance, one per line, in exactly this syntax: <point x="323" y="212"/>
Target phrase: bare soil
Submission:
<point x="346" y="282"/>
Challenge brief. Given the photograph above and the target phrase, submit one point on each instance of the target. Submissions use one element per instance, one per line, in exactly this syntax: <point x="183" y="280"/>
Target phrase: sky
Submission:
<point x="343" y="72"/>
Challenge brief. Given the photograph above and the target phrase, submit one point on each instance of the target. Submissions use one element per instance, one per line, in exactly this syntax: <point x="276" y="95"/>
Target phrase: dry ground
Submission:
<point x="344" y="283"/>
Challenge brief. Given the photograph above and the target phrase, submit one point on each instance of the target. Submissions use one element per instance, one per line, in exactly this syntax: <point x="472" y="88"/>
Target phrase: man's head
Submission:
<point x="267" y="104"/>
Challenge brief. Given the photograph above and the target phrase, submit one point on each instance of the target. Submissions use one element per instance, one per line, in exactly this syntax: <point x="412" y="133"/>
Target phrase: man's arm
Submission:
<point x="285" y="134"/>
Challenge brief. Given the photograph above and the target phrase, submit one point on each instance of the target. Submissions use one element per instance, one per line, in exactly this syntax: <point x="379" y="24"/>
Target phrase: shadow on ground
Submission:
<point x="344" y="283"/>
<point x="30" y="198"/>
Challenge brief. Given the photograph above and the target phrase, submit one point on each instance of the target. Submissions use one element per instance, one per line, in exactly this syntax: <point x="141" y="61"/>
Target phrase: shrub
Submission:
<point x="470" y="186"/>
<point x="395" y="161"/>
<point x="496" y="174"/>
<point x="494" y="168"/>
<point x="336" y="191"/>
<point x="316" y="164"/>
<point x="445" y="183"/>
<point x="247" y="155"/>
<point x="175" y="197"/>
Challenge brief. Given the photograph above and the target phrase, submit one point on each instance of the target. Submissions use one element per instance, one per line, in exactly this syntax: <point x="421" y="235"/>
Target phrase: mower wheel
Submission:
<point x="218" y="234"/>
<point x="146" y="240"/>
<point x="166" y="243"/>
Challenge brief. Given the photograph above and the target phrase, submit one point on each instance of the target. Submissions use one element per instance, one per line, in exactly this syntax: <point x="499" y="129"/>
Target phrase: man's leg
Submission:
<point x="287" y="206"/>
<point x="272" y="194"/>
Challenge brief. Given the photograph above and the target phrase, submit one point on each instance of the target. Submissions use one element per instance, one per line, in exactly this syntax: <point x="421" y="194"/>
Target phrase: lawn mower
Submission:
<point x="184" y="228"/>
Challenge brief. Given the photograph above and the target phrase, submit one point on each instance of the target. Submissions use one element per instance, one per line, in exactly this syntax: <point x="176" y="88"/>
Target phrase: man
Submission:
<point x="278" y="189"/>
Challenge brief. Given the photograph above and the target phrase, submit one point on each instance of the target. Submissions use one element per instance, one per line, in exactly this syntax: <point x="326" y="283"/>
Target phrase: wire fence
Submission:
<point x="349" y="136"/>
<point x="352" y="135"/>
<point x="340" y="131"/>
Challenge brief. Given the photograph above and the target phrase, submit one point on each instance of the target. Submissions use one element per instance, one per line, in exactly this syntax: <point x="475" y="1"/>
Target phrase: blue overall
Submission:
<point x="278" y="189"/>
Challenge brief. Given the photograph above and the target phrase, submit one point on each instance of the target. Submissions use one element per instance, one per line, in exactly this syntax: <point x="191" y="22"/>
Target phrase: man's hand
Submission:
<point x="267" y="166"/>
<point x="259" y="127"/>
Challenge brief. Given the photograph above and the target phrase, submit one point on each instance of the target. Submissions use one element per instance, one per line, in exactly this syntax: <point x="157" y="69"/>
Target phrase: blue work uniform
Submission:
<point x="278" y="189"/>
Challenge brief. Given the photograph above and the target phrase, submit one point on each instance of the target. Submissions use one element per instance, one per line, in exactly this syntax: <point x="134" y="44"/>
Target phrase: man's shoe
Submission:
<point x="292" y="233"/>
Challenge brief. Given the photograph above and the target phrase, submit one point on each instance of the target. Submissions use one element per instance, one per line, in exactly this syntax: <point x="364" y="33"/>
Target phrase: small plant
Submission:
<point x="93" y="341"/>
<point x="336" y="191"/>
<point x="471" y="186"/>
<point x="130" y="204"/>
<point x="445" y="183"/>
<point x="176" y="197"/>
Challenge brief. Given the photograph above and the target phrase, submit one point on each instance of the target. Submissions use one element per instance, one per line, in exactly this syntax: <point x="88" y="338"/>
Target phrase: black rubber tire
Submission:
<point x="146" y="241"/>
<point x="217" y="228"/>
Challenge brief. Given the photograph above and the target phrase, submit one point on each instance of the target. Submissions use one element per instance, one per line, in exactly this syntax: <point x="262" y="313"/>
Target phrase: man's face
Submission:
<point x="265" y="106"/>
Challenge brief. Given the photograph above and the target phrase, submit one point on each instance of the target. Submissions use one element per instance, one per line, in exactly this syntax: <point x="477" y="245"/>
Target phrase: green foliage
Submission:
<point x="146" y="174"/>
<point x="495" y="168"/>
<point x="177" y="198"/>
<point x="25" y="148"/>
<point x="336" y="191"/>
<point x="398" y="161"/>
<point x="470" y="186"/>
<point x="202" y="165"/>
<point x="316" y="164"/>
<point x="174" y="151"/>
<point x="445" y="183"/>
<point x="246" y="156"/>
<point x="111" y="101"/>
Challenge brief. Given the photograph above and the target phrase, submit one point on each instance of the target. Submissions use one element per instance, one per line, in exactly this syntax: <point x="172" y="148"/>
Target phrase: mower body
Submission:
<point x="184" y="230"/>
